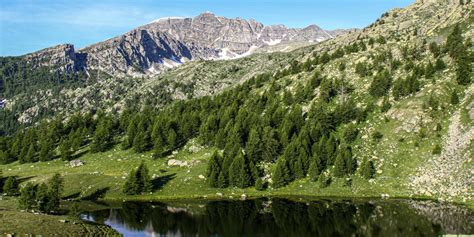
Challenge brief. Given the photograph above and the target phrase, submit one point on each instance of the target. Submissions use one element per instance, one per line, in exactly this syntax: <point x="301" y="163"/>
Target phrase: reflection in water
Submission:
<point x="281" y="217"/>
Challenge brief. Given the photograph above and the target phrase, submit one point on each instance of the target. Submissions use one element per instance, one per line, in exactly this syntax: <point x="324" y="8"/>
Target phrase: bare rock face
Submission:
<point x="169" y="42"/>
<point x="62" y="57"/>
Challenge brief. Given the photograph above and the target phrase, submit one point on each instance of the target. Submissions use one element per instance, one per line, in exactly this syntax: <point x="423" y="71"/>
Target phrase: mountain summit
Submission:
<point x="171" y="41"/>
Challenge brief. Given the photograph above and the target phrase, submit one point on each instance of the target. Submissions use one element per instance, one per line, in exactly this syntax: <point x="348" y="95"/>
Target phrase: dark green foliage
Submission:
<point x="270" y="145"/>
<point x="454" y="98"/>
<point x="404" y="87"/>
<point x="367" y="169"/>
<point x="260" y="185"/>
<point x="214" y="169"/>
<point x="340" y="166"/>
<point x="381" y="40"/>
<point x="434" y="49"/>
<point x="103" y="137"/>
<point x="30" y="156"/>
<point x="324" y="180"/>
<point x="350" y="133"/>
<point x="380" y="84"/>
<point x="436" y="150"/>
<point x="45" y="197"/>
<point x="239" y="172"/>
<point x="454" y="42"/>
<point x="65" y="150"/>
<point x="10" y="187"/>
<point x="281" y="175"/>
<point x="464" y="68"/>
<point x="377" y="136"/>
<point x="362" y="69"/>
<point x="385" y="105"/>
<point x="46" y="151"/>
<point x="138" y="181"/>
<point x="315" y="168"/>
<point x="27" y="200"/>
<point x="439" y="64"/>
<point x="429" y="70"/>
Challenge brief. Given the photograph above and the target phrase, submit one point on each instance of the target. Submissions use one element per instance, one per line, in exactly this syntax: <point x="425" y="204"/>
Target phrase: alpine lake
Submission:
<point x="286" y="217"/>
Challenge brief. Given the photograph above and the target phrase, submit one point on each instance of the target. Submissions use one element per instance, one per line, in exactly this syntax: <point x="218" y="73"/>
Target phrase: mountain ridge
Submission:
<point x="169" y="42"/>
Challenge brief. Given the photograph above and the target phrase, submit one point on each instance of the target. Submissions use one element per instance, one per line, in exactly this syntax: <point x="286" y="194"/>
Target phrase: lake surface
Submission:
<point x="282" y="217"/>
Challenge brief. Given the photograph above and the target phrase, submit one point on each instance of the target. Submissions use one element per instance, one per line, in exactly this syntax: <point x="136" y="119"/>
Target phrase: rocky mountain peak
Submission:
<point x="171" y="41"/>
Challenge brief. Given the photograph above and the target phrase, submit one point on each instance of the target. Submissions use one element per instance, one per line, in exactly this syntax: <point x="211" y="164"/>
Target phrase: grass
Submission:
<point x="15" y="222"/>
<point x="103" y="176"/>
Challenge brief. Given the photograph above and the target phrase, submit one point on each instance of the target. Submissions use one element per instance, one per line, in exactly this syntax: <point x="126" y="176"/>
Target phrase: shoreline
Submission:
<point x="295" y="197"/>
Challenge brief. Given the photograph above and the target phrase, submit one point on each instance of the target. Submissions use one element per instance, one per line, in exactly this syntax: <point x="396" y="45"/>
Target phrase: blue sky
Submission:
<point x="30" y="25"/>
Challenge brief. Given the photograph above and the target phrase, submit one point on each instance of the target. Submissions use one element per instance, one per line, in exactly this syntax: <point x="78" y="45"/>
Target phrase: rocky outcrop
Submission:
<point x="62" y="57"/>
<point x="169" y="42"/>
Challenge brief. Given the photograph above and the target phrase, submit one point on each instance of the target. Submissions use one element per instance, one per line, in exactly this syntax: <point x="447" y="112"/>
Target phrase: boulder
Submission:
<point x="76" y="163"/>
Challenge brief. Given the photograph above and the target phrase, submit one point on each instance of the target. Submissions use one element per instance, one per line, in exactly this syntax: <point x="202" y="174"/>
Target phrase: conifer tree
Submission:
<point x="140" y="142"/>
<point x="103" y="136"/>
<point x="367" y="170"/>
<point x="27" y="200"/>
<point x="46" y="149"/>
<point x="213" y="170"/>
<point x="76" y="140"/>
<point x="253" y="148"/>
<point x="10" y="187"/>
<point x="281" y="175"/>
<point x="222" y="181"/>
<point x="239" y="172"/>
<point x="138" y="181"/>
<point x="340" y="167"/>
<point x="454" y="97"/>
<point x="31" y="154"/>
<point x="315" y="168"/>
<point x="439" y="64"/>
<point x="65" y="149"/>
<point x="131" y="132"/>
<point x="330" y="149"/>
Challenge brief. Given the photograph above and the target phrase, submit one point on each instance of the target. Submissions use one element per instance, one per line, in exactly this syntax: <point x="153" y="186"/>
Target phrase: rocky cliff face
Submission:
<point x="168" y="42"/>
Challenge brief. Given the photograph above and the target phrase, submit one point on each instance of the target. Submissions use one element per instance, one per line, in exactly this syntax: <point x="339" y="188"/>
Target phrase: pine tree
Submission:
<point x="239" y="172"/>
<point x="138" y="181"/>
<point x="46" y="149"/>
<point x="131" y="132"/>
<point x="10" y="187"/>
<point x="454" y="97"/>
<point x="330" y="149"/>
<point x="439" y="64"/>
<point x="222" y="181"/>
<point x="368" y="169"/>
<point x="454" y="42"/>
<point x="140" y="143"/>
<point x="65" y="150"/>
<point x="281" y="175"/>
<point x="340" y="167"/>
<point x="76" y="140"/>
<point x="253" y="148"/>
<point x="464" y="68"/>
<point x="43" y="198"/>
<point x="54" y="193"/>
<point x="214" y="169"/>
<point x="132" y="186"/>
<point x="315" y="168"/>
<point x="380" y="84"/>
<point x="31" y="154"/>
<point x="145" y="179"/>
<point x="103" y="136"/>
<point x="27" y="200"/>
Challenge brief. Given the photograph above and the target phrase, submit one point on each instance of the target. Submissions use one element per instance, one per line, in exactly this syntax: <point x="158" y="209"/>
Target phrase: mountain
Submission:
<point x="168" y="42"/>
<point x="379" y="112"/>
